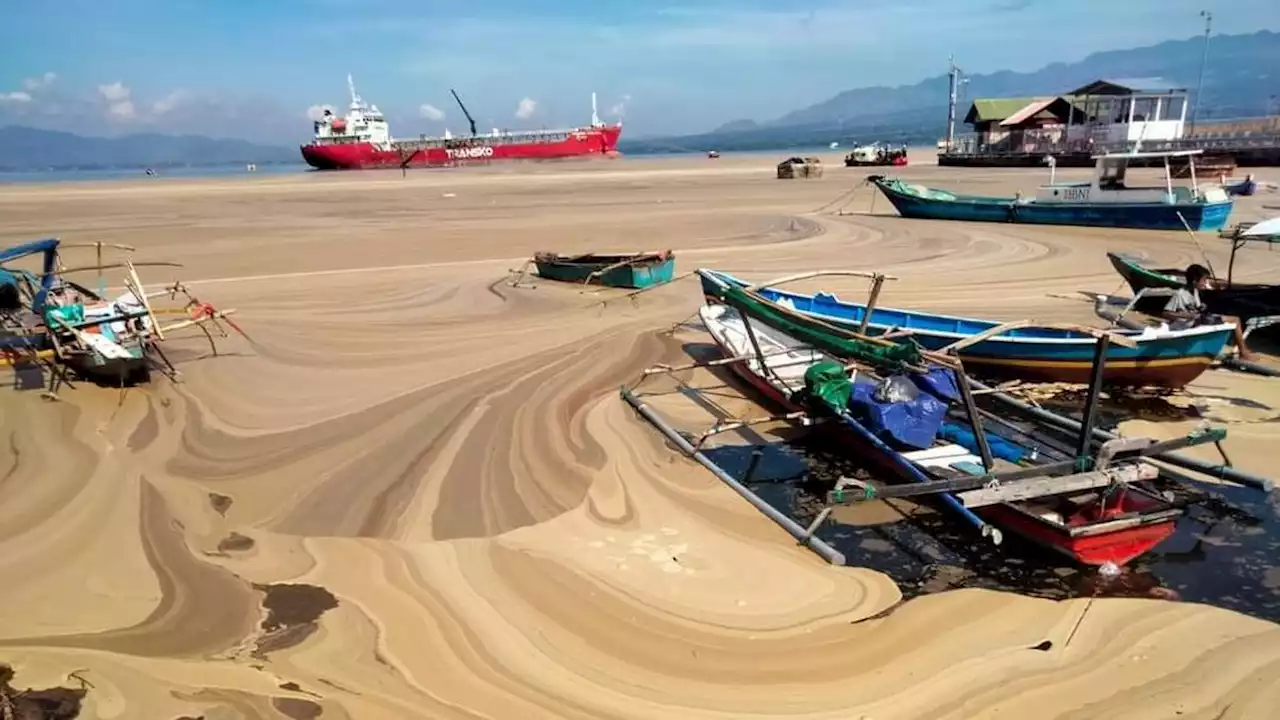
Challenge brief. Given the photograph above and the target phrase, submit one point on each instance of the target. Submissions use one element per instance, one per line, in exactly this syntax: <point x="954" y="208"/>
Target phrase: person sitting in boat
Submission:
<point x="1185" y="310"/>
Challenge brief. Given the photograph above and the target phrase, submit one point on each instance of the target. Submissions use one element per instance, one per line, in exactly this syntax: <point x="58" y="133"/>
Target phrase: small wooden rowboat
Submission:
<point x="639" y="270"/>
<point x="1107" y="515"/>
<point x="1159" y="356"/>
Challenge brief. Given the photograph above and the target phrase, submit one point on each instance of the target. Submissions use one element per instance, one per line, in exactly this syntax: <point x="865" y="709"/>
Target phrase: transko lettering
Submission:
<point x="479" y="151"/>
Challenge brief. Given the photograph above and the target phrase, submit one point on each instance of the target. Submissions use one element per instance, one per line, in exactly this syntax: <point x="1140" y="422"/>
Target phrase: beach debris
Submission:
<point x="293" y="613"/>
<point x="800" y="167"/>
<point x="57" y="703"/>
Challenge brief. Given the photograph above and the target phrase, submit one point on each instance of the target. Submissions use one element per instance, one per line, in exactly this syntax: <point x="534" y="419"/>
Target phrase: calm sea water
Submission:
<point x="228" y="171"/>
<point x="210" y="171"/>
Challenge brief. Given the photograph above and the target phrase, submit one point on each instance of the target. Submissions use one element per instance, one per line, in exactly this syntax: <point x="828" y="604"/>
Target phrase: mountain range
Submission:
<point x="1242" y="78"/>
<point x="24" y="148"/>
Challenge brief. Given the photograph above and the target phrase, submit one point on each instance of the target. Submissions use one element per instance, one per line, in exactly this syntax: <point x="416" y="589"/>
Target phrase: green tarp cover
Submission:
<point x="70" y="314"/>
<point x="892" y="358"/>
<point x="828" y="382"/>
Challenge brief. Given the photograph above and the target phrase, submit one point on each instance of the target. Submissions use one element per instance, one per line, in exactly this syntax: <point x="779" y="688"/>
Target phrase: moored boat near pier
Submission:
<point x="1104" y="201"/>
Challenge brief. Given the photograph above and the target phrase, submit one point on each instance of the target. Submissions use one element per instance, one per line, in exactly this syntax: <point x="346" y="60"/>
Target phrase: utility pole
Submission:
<point x="952" y="86"/>
<point x="1204" y="56"/>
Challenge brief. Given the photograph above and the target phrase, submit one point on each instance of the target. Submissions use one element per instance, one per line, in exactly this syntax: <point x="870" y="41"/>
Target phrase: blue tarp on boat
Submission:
<point x="911" y="423"/>
<point x="963" y="436"/>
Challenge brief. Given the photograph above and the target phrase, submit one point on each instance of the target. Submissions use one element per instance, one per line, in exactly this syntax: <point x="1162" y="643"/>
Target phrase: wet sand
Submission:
<point x="415" y="493"/>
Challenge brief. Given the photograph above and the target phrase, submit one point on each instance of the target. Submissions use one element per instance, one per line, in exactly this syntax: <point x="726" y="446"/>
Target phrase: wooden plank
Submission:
<point x="1046" y="486"/>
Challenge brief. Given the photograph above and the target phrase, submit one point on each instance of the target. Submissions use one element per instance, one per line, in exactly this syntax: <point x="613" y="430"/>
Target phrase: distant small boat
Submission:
<point x="639" y="270"/>
<point x="876" y="154"/>
<point x="1103" y="202"/>
<point x="1160" y="357"/>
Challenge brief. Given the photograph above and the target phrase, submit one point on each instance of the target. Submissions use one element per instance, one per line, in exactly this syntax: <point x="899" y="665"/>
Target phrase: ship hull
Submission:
<point x="602" y="141"/>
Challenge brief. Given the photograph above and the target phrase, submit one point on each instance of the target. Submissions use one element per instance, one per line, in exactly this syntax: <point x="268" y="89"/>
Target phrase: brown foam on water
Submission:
<point x="415" y="492"/>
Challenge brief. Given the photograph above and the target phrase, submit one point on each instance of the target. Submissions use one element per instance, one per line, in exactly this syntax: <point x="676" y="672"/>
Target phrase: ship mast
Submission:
<point x="464" y="111"/>
<point x="595" y="118"/>
<point x="351" y="87"/>
<point x="953" y="77"/>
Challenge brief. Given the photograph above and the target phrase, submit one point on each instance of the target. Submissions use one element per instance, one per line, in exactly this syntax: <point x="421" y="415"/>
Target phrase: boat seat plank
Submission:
<point x="1046" y="486"/>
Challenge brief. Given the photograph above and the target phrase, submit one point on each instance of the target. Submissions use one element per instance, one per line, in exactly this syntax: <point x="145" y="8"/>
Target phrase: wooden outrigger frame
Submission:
<point x="61" y="358"/>
<point x="1096" y="451"/>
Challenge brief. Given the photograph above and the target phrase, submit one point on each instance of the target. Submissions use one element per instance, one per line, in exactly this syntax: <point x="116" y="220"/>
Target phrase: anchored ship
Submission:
<point x="362" y="140"/>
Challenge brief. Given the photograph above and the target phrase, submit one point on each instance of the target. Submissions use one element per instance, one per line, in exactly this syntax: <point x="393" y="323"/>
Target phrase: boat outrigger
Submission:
<point x="46" y="319"/>
<point x="1104" y="201"/>
<point x="912" y="415"/>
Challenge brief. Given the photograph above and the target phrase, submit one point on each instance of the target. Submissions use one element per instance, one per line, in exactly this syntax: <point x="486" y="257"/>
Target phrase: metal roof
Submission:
<point x="1127" y="86"/>
<point x="992" y="109"/>
<point x="1041" y="105"/>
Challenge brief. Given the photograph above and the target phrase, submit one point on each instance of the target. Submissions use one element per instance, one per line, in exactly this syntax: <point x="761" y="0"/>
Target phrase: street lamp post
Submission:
<point x="1204" y="56"/>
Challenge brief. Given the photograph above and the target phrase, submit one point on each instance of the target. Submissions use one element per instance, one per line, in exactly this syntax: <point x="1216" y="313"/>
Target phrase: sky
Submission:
<point x="255" y="69"/>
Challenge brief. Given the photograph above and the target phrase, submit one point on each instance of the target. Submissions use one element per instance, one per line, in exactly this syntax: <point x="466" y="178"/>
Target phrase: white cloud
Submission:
<point x="619" y="108"/>
<point x="123" y="110"/>
<point x="36" y="83"/>
<point x="119" y="99"/>
<point x="115" y="92"/>
<point x="316" y="112"/>
<point x="14" y="98"/>
<point x="526" y="108"/>
<point x="430" y="112"/>
<point x="170" y="102"/>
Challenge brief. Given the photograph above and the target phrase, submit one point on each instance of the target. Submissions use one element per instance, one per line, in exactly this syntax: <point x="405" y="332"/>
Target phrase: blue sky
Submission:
<point x="252" y="68"/>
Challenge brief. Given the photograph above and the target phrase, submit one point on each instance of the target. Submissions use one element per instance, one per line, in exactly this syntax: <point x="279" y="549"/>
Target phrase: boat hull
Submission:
<point x="875" y="163"/>
<point x="637" y="276"/>
<point x="1146" y="216"/>
<point x="1130" y="538"/>
<point x="1167" y="361"/>
<point x="1118" y="547"/>
<point x="593" y="142"/>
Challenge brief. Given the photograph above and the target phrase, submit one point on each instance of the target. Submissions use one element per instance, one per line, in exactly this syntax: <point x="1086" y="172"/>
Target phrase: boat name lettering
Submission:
<point x="1075" y="194"/>
<point x="478" y="151"/>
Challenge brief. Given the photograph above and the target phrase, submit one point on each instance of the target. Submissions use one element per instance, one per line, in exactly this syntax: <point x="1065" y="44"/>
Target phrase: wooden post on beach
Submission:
<point x="876" y="283"/>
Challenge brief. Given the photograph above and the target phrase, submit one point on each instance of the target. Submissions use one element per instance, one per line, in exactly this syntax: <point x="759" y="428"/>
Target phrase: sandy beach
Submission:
<point x="414" y="492"/>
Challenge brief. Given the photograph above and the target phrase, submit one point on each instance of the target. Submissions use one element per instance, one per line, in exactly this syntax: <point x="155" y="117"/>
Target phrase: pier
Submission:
<point x="1103" y="116"/>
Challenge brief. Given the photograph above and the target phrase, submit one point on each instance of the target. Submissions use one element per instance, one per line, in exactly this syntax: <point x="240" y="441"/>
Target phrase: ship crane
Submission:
<point x="470" y="119"/>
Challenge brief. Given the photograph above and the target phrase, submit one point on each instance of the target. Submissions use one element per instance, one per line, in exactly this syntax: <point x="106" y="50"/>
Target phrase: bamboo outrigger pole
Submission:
<point x="801" y="534"/>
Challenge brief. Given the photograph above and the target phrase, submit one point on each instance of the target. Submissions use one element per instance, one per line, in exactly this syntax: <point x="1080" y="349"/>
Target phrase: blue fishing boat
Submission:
<point x="909" y="427"/>
<point x="46" y="317"/>
<point x="1104" y="201"/>
<point x="23" y="336"/>
<point x="1158" y="356"/>
<point x="639" y="270"/>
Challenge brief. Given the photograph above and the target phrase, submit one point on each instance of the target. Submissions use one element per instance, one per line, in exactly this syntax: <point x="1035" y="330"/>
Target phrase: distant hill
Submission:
<point x="24" y="148"/>
<point x="1241" y="76"/>
<point x="737" y="126"/>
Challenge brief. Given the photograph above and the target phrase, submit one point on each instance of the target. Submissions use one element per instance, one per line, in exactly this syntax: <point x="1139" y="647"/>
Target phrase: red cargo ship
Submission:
<point x="362" y="140"/>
